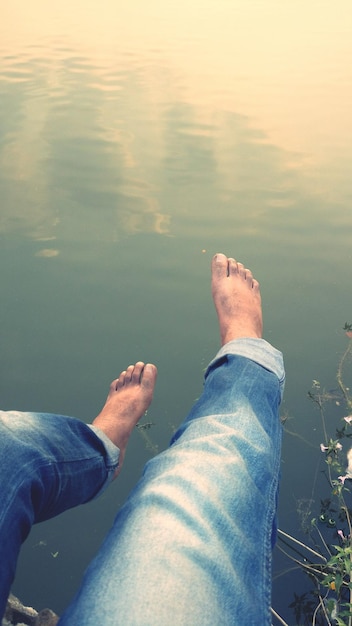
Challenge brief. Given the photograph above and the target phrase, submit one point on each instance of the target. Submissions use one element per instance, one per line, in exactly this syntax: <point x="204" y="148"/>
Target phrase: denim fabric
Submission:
<point x="192" y="544"/>
<point x="48" y="463"/>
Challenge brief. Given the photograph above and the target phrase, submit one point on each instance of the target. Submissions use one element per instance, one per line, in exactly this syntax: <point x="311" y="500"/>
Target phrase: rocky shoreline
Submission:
<point x="18" y="614"/>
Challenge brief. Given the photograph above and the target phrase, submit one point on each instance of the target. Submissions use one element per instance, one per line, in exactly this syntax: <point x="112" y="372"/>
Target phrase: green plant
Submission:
<point x="328" y="566"/>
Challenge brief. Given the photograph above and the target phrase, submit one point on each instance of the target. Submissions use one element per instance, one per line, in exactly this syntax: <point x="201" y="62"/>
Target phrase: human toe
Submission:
<point x="129" y="372"/>
<point x="233" y="267"/>
<point x="220" y="265"/>
<point x="137" y="372"/>
<point x="249" y="277"/>
<point x="149" y="375"/>
<point x="121" y="380"/>
<point x="241" y="270"/>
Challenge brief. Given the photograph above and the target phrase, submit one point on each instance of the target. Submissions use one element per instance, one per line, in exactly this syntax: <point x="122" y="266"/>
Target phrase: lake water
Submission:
<point x="136" y="140"/>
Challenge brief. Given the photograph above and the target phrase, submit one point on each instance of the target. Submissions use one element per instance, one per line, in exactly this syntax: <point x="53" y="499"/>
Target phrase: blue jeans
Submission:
<point x="192" y="544"/>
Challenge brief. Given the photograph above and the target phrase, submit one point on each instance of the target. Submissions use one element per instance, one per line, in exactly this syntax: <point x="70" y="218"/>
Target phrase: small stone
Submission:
<point x="46" y="617"/>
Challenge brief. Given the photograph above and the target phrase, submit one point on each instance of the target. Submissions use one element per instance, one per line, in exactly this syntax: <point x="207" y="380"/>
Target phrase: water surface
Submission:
<point x="136" y="141"/>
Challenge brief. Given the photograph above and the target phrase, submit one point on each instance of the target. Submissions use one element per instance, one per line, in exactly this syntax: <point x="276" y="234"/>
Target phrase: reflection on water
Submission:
<point x="123" y="132"/>
<point x="135" y="141"/>
<point x="74" y="151"/>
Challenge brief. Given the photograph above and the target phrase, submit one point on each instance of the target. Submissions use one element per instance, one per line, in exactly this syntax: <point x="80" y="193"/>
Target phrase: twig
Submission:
<point x="278" y="617"/>
<point x="309" y="567"/>
<point x="321" y="603"/>
<point x="303" y="545"/>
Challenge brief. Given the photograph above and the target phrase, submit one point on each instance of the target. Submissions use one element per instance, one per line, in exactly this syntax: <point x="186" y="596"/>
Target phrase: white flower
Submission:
<point x="343" y="478"/>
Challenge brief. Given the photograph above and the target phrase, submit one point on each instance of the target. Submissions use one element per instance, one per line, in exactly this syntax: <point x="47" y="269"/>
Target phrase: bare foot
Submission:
<point x="237" y="300"/>
<point x="129" y="397"/>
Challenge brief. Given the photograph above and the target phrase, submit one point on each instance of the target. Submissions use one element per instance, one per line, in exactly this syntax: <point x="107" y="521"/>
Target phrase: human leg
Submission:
<point x="50" y="463"/>
<point x="192" y="545"/>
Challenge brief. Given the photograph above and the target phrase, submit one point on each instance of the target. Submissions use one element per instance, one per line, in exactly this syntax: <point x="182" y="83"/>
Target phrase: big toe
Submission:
<point x="148" y="376"/>
<point x="219" y="265"/>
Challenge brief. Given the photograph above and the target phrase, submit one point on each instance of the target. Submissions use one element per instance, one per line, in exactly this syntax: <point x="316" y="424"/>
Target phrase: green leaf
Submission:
<point x="338" y="583"/>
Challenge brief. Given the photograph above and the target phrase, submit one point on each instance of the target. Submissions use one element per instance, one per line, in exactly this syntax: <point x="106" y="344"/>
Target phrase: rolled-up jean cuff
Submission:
<point x="111" y="459"/>
<point x="257" y="350"/>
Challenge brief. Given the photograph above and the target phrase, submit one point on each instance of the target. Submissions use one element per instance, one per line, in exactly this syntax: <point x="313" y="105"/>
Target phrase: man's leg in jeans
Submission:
<point x="49" y="463"/>
<point x="192" y="545"/>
